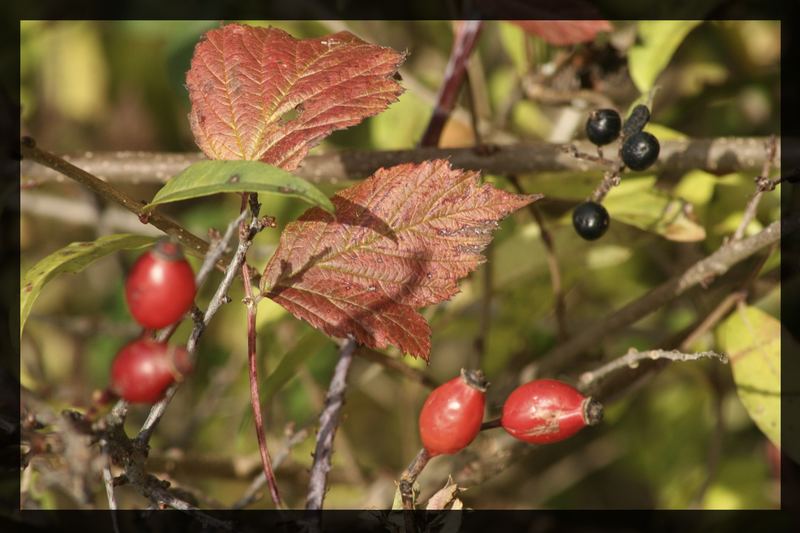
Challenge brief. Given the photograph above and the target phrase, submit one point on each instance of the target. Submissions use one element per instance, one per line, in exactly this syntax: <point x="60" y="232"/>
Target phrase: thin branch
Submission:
<point x="220" y="297"/>
<point x="251" y="494"/>
<point x="108" y="481"/>
<point x="634" y="357"/>
<point x="217" y="249"/>
<point x="464" y="40"/>
<point x="255" y="401"/>
<point x="552" y="265"/>
<point x="328" y="423"/>
<point x="539" y="92"/>
<point x="763" y="184"/>
<point x="718" y="156"/>
<point x="705" y="270"/>
<point x="194" y="244"/>
<point x="611" y="178"/>
<point x="410" y="475"/>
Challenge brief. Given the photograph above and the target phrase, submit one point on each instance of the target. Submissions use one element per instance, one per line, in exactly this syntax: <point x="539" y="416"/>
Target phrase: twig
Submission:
<point x="541" y="93"/>
<point x="108" y="481"/>
<point x="464" y="40"/>
<point x="716" y="264"/>
<point x="718" y="156"/>
<point x="410" y="475"/>
<point x="634" y="357"/>
<point x="251" y="494"/>
<point x="552" y="265"/>
<point x="193" y="243"/>
<point x="572" y="150"/>
<point x="763" y="184"/>
<point x="328" y="423"/>
<point x="611" y="178"/>
<point x="215" y="252"/>
<point x="255" y="401"/>
<point x="220" y="297"/>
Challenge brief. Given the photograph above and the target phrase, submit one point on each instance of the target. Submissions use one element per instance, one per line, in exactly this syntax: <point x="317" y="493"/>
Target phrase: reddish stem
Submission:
<point x="255" y="400"/>
<point x="466" y="36"/>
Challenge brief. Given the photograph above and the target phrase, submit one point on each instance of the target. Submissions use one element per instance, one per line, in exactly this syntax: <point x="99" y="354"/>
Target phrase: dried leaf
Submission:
<point x="260" y="94"/>
<point x="564" y="32"/>
<point x="399" y="240"/>
<point x="446" y="497"/>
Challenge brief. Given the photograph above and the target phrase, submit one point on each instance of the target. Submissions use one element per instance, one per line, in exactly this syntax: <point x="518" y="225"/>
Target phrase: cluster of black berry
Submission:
<point x="639" y="150"/>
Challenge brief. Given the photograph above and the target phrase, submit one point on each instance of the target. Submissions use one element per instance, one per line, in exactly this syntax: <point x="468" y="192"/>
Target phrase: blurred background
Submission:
<point x="681" y="439"/>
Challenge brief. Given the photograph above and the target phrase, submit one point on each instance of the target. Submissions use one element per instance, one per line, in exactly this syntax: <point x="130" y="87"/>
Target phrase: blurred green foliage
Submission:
<point x="101" y="86"/>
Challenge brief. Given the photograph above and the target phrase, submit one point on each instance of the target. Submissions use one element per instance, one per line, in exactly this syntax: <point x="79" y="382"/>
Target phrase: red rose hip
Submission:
<point x="452" y="414"/>
<point x="160" y="288"/>
<point x="144" y="368"/>
<point x="546" y="410"/>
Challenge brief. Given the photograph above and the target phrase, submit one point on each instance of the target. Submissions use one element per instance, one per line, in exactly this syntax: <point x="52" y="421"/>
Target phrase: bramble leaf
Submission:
<point x="399" y="240"/>
<point x="659" y="39"/>
<point x="211" y="177"/>
<point x="752" y="340"/>
<point x="72" y="258"/>
<point x="260" y="94"/>
<point x="563" y="32"/>
<point x="638" y="203"/>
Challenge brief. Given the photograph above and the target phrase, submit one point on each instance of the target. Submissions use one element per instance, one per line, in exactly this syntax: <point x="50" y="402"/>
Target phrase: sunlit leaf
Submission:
<point x="211" y="177"/>
<point x="399" y="240"/>
<point x="72" y="258"/>
<point x="639" y="203"/>
<point x="752" y="340"/>
<point x="260" y="94"/>
<point x="658" y="41"/>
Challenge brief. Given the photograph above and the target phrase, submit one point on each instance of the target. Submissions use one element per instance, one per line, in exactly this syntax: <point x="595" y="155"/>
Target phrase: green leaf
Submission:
<point x="752" y="340"/>
<point x="659" y="40"/>
<point x="72" y="258"/>
<point x="211" y="177"/>
<point x="638" y="203"/>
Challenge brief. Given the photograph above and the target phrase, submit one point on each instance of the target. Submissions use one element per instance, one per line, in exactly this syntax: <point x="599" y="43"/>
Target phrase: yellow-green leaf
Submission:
<point x="752" y="340"/>
<point x="72" y="258"/>
<point x="638" y="203"/>
<point x="659" y="40"/>
<point x="205" y="178"/>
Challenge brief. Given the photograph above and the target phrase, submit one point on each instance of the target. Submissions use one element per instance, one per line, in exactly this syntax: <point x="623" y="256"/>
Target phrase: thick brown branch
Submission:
<point x="718" y="156"/>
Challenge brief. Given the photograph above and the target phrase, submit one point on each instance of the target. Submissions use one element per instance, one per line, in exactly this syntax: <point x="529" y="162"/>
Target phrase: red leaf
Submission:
<point x="563" y="32"/>
<point x="399" y="240"/>
<point x="260" y="94"/>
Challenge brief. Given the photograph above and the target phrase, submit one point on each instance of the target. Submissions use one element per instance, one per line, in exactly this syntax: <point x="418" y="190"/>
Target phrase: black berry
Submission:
<point x="590" y="220"/>
<point x="636" y="122"/>
<point x="640" y="150"/>
<point x="603" y="126"/>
